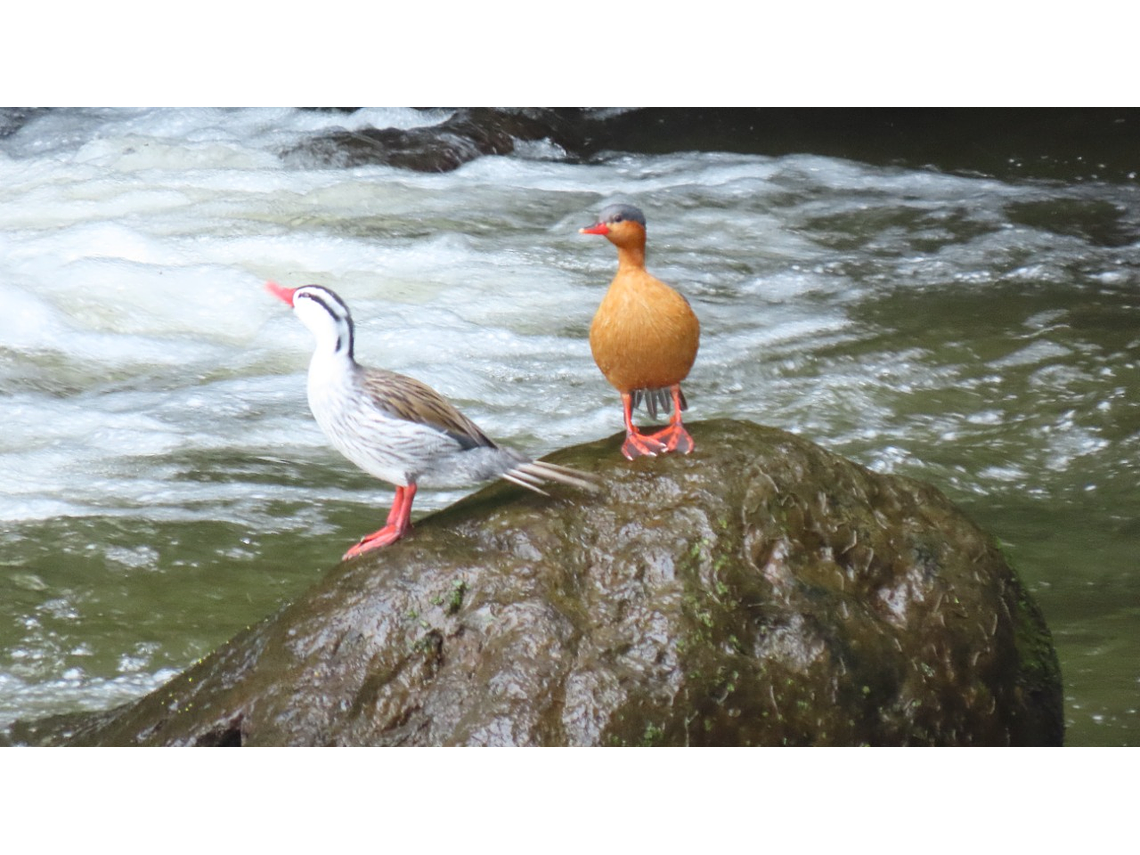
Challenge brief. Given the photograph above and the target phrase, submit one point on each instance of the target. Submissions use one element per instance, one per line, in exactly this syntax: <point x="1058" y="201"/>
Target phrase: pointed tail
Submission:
<point x="536" y="473"/>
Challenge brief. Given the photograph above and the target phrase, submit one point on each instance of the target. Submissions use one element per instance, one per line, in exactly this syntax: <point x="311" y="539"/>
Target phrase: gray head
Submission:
<point x="618" y="213"/>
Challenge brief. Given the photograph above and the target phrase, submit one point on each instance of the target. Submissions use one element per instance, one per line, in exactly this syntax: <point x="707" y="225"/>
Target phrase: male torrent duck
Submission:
<point x="396" y="428"/>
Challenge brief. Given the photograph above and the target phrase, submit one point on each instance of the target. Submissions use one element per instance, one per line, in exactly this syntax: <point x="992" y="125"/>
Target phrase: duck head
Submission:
<point x="323" y="312"/>
<point x="623" y="225"/>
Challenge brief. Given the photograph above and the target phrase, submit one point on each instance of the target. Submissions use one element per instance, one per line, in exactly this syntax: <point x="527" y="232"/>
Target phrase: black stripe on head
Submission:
<point x="617" y="213"/>
<point x="331" y="302"/>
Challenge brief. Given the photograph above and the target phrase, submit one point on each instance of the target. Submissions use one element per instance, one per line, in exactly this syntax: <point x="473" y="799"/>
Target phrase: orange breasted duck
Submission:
<point x="644" y="337"/>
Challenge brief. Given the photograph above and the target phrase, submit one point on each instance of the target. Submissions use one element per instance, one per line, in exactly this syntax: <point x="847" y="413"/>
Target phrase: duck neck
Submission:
<point x="334" y="339"/>
<point x="631" y="256"/>
<point x="333" y="354"/>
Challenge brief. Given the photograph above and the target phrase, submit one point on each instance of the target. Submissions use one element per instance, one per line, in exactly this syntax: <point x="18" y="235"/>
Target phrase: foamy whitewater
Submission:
<point x="165" y="484"/>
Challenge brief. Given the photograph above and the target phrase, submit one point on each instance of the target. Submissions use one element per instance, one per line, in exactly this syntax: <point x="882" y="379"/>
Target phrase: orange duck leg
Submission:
<point x="644" y="337"/>
<point x="396" y="526"/>
<point x="675" y="437"/>
<point x="637" y="443"/>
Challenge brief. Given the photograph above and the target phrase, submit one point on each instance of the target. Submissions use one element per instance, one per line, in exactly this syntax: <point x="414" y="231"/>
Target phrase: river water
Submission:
<point x="165" y="486"/>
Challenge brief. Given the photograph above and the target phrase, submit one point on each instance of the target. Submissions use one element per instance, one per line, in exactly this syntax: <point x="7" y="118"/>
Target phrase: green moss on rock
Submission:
<point x="760" y="591"/>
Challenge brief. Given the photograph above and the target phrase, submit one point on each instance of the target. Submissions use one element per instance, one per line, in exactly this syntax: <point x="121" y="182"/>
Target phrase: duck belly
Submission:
<point x="641" y="343"/>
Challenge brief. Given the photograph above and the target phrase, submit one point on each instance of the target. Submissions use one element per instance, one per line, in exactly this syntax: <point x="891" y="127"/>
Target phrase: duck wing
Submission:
<point x="409" y="399"/>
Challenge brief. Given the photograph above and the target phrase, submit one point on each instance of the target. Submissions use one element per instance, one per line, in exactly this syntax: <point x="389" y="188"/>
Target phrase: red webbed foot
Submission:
<point x="674" y="438"/>
<point x="384" y="537"/>
<point x="638" y="444"/>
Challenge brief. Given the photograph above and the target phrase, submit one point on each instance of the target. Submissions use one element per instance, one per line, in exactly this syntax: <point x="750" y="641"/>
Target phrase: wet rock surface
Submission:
<point x="761" y="591"/>
<point x="466" y="135"/>
<point x="1058" y="144"/>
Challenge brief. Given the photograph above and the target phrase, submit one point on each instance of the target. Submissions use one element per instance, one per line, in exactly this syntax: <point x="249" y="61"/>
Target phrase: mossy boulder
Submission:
<point x="760" y="591"/>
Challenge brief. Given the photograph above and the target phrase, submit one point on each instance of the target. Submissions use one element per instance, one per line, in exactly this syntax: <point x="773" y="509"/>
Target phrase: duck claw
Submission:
<point x="639" y="445"/>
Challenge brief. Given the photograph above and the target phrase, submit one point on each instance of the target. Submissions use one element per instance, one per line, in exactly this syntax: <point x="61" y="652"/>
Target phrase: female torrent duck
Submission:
<point x="396" y="428"/>
<point x="644" y="337"/>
